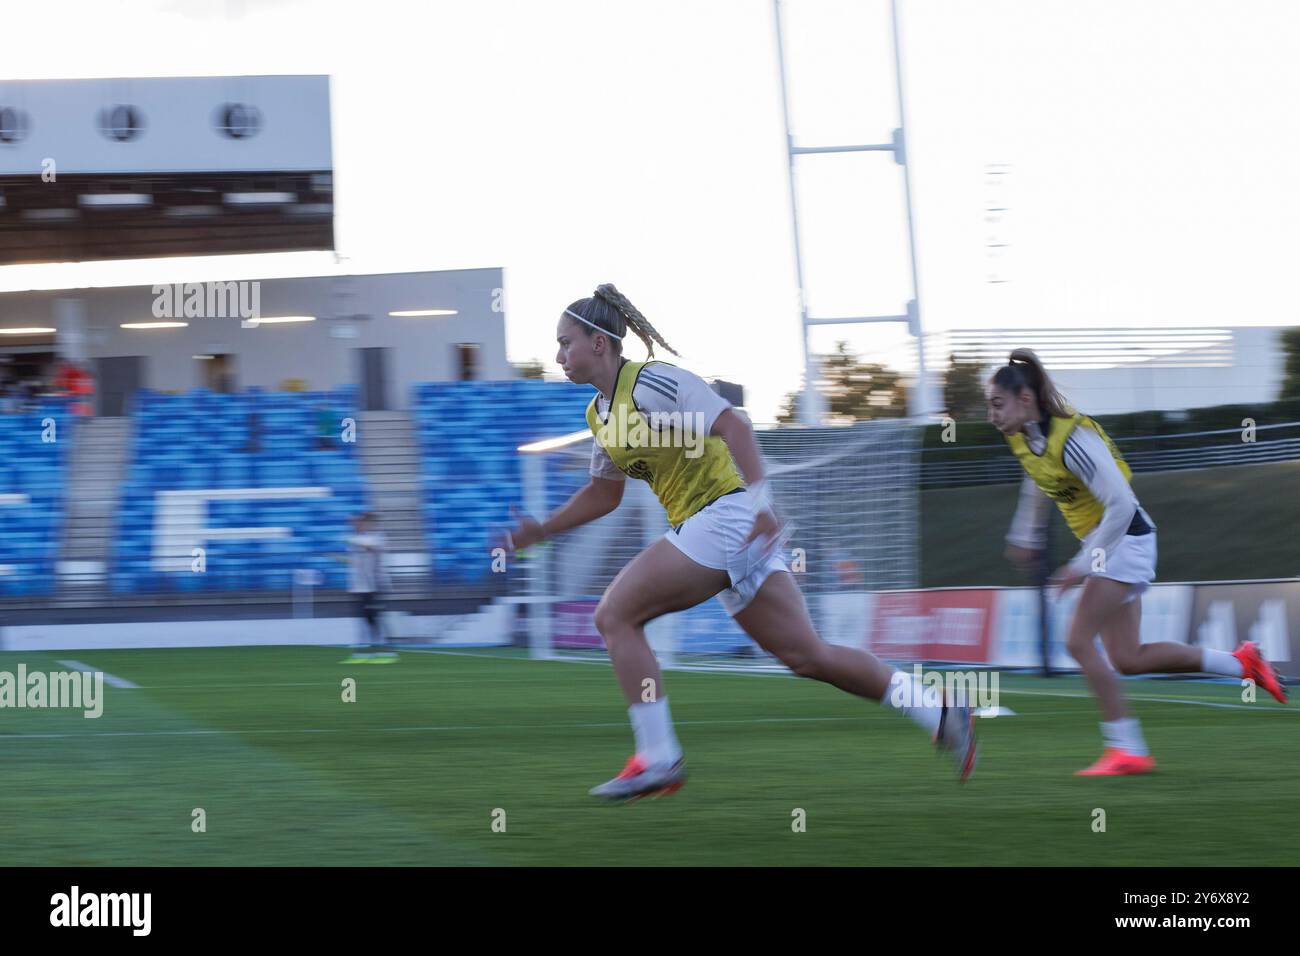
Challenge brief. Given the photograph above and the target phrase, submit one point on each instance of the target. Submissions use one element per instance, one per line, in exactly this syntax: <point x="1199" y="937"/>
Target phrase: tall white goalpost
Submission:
<point x="811" y="403"/>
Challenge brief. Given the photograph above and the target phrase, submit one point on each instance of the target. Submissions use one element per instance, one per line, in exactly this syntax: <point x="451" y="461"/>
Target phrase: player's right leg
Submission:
<point x="777" y="618"/>
<point x="658" y="581"/>
<point x="370" y="610"/>
<point x="362" y="652"/>
<point x="1109" y="608"/>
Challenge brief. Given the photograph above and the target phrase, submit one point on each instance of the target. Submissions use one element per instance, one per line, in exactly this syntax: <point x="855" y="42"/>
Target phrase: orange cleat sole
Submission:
<point x="1117" y="763"/>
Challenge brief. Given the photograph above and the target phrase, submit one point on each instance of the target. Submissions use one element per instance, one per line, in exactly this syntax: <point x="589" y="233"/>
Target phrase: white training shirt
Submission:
<point x="1088" y="459"/>
<point x="661" y="389"/>
<point x="366" y="571"/>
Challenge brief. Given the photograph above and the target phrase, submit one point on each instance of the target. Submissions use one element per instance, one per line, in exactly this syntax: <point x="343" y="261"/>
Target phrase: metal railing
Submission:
<point x="1203" y="449"/>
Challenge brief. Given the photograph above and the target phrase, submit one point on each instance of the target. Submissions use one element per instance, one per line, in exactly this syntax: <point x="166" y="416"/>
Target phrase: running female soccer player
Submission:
<point x="722" y="540"/>
<point x="1068" y="457"/>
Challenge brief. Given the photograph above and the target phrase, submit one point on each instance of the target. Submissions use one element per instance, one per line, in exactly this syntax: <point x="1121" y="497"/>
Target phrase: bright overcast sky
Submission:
<point x="1151" y="148"/>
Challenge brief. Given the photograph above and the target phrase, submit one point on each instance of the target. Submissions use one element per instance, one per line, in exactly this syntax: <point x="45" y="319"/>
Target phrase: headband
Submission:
<point x="593" y="325"/>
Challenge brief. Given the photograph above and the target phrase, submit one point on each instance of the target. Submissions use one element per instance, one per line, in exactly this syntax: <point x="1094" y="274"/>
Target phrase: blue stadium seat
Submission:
<point x="469" y="433"/>
<point x="33" y="467"/>
<point x="253" y="440"/>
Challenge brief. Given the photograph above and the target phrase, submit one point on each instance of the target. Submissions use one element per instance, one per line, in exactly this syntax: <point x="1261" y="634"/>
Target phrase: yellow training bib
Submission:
<point x="1080" y="506"/>
<point x="686" y="470"/>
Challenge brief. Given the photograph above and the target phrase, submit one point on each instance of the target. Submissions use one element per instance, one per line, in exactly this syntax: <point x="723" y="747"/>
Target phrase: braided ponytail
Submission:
<point x="1024" y="369"/>
<point x="635" y="321"/>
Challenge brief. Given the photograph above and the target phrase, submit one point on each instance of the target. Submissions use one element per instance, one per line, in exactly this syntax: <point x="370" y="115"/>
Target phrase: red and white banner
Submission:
<point x="1000" y="627"/>
<point x="574" y="626"/>
<point x="947" y="625"/>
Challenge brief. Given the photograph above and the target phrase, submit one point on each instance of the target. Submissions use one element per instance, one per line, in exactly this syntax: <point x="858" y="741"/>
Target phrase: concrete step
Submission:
<point x="86" y="554"/>
<point x="395" y="468"/>
<point x="90" y="502"/>
<point x="98" y="499"/>
<point x="89" y="524"/>
<point x="104" y="514"/>
<point x="395" y="531"/>
<point x="88" y="481"/>
<point x="393" y="474"/>
<point x="394" y="485"/>
<point x="411" y="473"/>
<point x="79" y="470"/>
<point x="409" y="464"/>
<point x="408" y="509"/>
<point x="403" y="451"/>
<point x="396" y="440"/>
<point x="390" y="459"/>
<point x="95" y="492"/>
<point x="97" y="536"/>
<point x="101" y="451"/>
<point x="397" y="511"/>
<point x="400" y="527"/>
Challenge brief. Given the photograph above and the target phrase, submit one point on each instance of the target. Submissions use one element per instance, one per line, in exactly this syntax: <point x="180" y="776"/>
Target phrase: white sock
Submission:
<point x="652" y="725"/>
<point x="907" y="694"/>
<point x="1126" y="734"/>
<point x="1220" y="662"/>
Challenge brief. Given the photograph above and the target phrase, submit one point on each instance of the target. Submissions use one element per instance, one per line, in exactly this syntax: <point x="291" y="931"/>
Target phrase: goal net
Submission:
<point x="847" y="493"/>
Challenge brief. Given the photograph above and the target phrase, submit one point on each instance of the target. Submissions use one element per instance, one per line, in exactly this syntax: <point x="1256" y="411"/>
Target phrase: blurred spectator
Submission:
<point x="368" y="578"/>
<point x="325" y="439"/>
<point x="254" y="443"/>
<point x="71" y="379"/>
<point x="23" y="394"/>
<point x="10" y="396"/>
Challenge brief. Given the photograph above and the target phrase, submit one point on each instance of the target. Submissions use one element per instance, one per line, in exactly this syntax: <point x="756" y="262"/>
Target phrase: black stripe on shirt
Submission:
<point x="659" y="380"/>
<point x="662" y="391"/>
<point x="658" y="375"/>
<point x="1083" y="465"/>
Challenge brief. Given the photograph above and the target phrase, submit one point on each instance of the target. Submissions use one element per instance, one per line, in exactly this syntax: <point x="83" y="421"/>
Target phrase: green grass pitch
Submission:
<point x="412" y="772"/>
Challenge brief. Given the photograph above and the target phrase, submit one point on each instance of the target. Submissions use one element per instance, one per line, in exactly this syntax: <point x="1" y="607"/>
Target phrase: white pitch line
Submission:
<point x="1196" y="702"/>
<point x="434" y="728"/>
<point x="749" y="670"/>
<point x="457" y="728"/>
<point x="109" y="679"/>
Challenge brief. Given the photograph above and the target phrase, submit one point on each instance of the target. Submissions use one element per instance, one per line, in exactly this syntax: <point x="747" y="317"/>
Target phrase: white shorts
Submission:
<point x="1134" y="562"/>
<point x="715" y="537"/>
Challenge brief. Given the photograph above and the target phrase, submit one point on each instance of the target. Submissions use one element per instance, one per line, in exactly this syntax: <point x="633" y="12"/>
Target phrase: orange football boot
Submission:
<point x="1254" y="667"/>
<point x="1115" y="762"/>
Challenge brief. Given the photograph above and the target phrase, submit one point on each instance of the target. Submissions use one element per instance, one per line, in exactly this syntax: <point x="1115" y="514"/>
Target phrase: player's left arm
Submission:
<point x="1088" y="458"/>
<point x="734" y="428"/>
<point x="710" y="414"/>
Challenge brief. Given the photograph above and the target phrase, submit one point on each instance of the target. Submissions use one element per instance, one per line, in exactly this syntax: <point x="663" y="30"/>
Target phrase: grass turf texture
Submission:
<point x="411" y="773"/>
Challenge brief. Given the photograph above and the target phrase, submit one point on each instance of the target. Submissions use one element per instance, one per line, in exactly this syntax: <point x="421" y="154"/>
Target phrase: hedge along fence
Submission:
<point x="1149" y="441"/>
